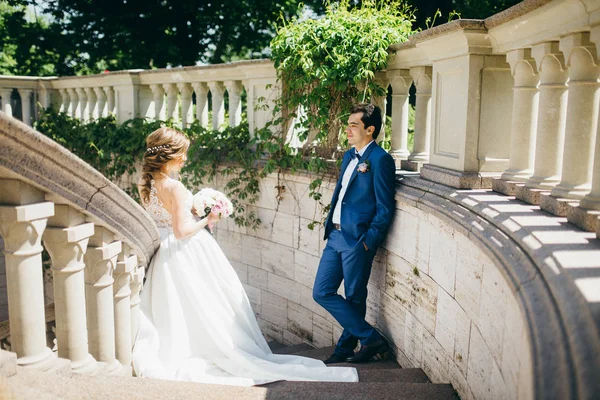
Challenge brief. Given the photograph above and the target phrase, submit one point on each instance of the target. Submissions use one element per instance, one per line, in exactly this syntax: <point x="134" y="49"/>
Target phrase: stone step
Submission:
<point x="400" y="375"/>
<point x="274" y="345"/>
<point x="294" y="349"/>
<point x="359" y="391"/>
<point x="324" y="352"/>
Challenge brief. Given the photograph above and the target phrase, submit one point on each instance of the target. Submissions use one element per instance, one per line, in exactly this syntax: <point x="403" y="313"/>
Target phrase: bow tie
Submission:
<point x="354" y="154"/>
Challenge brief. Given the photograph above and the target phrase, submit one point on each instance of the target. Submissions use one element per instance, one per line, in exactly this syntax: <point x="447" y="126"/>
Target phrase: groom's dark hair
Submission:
<point x="371" y="116"/>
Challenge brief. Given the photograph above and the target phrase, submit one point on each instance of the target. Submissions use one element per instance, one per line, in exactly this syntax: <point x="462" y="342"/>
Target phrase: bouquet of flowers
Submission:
<point x="210" y="200"/>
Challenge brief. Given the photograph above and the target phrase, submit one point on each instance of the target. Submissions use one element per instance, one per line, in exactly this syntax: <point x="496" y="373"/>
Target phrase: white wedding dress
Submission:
<point x="197" y="323"/>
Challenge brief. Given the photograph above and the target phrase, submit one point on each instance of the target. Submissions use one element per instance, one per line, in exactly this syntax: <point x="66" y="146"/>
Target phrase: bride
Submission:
<point x="196" y="323"/>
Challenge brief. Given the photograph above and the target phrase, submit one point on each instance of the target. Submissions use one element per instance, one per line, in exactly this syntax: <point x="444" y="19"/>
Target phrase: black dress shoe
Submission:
<point x="336" y="358"/>
<point x="369" y="351"/>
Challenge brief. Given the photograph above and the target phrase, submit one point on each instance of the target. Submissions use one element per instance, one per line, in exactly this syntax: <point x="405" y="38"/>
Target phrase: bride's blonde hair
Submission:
<point x="162" y="146"/>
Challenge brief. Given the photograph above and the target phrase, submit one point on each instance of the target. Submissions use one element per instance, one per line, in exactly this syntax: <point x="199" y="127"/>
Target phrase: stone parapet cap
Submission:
<point x="37" y="160"/>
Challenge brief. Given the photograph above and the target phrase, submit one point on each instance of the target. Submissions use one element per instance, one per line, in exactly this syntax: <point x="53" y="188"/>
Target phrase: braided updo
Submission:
<point x="163" y="145"/>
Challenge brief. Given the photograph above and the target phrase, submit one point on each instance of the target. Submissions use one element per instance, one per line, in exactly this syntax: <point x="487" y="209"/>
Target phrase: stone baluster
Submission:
<point x="158" y="96"/>
<point x="26" y="105"/>
<point x="186" y="104"/>
<point x="66" y="240"/>
<point x="234" y="89"/>
<point x="100" y="261"/>
<point x="91" y="113"/>
<point x="582" y="118"/>
<point x="551" y="121"/>
<point x="381" y="102"/>
<point x="110" y="100"/>
<point x="250" y="106"/>
<point x="524" y="116"/>
<point x="82" y="104"/>
<point x="201" y="90"/>
<point x="100" y="110"/>
<point x="122" y="303"/>
<point x="172" y="94"/>
<point x="137" y="279"/>
<point x="23" y="218"/>
<point x="422" y="134"/>
<point x="73" y="103"/>
<point x="400" y="81"/>
<point x="65" y="101"/>
<point x="217" y="91"/>
<point x="6" y="93"/>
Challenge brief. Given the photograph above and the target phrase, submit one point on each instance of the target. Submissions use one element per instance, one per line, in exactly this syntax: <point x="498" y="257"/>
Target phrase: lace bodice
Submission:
<point x="158" y="212"/>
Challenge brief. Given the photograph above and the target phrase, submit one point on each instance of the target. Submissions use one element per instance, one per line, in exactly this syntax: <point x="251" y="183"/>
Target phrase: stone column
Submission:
<point x="26" y="105"/>
<point x="420" y="153"/>
<point x="234" y="88"/>
<point x="381" y="102"/>
<point x="186" y="103"/>
<point x="91" y="112"/>
<point x="6" y="93"/>
<point x="122" y="303"/>
<point x="400" y="81"/>
<point x="582" y="116"/>
<point x="82" y="104"/>
<point x="172" y="94"/>
<point x="23" y="218"/>
<point x="74" y="103"/>
<point x="158" y="95"/>
<point x="100" y="261"/>
<point x="100" y="110"/>
<point x="110" y="100"/>
<point x="524" y="115"/>
<point x="66" y="240"/>
<point x="551" y="120"/>
<point x="137" y="279"/>
<point x="201" y="91"/>
<point x="217" y="91"/>
<point x="66" y="101"/>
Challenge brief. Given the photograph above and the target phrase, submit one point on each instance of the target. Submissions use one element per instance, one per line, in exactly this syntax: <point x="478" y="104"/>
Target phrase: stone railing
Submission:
<point x="509" y="102"/>
<point x="99" y="241"/>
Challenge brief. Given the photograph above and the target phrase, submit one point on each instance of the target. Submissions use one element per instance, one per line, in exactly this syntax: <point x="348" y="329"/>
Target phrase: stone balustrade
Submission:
<point x="99" y="241"/>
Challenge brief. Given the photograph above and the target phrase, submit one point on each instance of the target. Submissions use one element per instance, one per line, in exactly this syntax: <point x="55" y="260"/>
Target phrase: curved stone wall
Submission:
<point x="458" y="287"/>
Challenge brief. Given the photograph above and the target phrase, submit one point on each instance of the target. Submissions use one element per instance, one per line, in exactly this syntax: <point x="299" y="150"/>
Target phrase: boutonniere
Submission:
<point x="363" y="167"/>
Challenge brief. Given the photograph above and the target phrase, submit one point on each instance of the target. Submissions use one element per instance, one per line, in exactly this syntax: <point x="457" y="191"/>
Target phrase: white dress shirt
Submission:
<point x="337" y="212"/>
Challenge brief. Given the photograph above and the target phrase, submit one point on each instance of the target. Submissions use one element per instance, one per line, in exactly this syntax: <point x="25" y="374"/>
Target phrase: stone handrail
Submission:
<point x="99" y="241"/>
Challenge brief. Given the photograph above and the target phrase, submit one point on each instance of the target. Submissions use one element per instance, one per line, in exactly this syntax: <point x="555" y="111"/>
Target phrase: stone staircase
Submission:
<point x="378" y="380"/>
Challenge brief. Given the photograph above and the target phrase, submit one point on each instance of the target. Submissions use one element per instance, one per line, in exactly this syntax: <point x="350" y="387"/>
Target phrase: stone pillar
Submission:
<point x="26" y="105"/>
<point x="250" y="105"/>
<point x="201" y="91"/>
<point x="172" y="94"/>
<point x="158" y="95"/>
<point x="234" y="88"/>
<point x="122" y="303"/>
<point x="66" y="240"/>
<point x="23" y="218"/>
<point x="218" y="105"/>
<point x="582" y="116"/>
<point x="401" y="81"/>
<point x="186" y="104"/>
<point x="100" y="261"/>
<point x="6" y="93"/>
<point x="381" y="102"/>
<point x="91" y="113"/>
<point x="110" y="100"/>
<point x="524" y="115"/>
<point x="82" y="105"/>
<point x="100" y="110"/>
<point x="66" y="101"/>
<point x="551" y="119"/>
<point x="420" y="153"/>
<point x="137" y="279"/>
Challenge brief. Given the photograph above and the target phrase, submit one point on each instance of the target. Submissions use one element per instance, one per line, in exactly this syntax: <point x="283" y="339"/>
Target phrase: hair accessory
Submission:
<point x="154" y="149"/>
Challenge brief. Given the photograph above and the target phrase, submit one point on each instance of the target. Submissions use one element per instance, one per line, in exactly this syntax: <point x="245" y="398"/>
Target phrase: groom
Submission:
<point x="362" y="208"/>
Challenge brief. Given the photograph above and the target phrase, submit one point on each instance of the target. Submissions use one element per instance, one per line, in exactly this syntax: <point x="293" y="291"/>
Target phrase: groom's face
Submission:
<point x="358" y="135"/>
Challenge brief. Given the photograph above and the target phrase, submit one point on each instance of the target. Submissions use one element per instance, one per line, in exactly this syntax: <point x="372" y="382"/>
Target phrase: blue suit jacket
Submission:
<point x="368" y="205"/>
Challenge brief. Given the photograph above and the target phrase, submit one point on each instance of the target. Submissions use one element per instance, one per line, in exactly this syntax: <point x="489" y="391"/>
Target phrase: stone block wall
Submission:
<point x="434" y="293"/>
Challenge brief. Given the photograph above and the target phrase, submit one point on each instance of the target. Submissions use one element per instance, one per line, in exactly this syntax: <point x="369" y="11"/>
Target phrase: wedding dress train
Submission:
<point x="197" y="323"/>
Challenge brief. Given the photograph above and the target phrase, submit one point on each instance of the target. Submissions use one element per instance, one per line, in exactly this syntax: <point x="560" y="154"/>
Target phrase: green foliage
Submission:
<point x="327" y="64"/>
